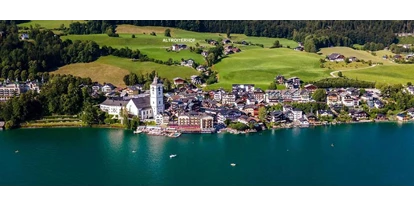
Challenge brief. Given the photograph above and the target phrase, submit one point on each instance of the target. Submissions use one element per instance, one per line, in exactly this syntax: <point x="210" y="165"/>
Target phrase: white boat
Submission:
<point x="332" y="145"/>
<point x="133" y="151"/>
<point x="17" y="151"/>
<point x="137" y="131"/>
<point x="233" y="164"/>
<point x="172" y="156"/>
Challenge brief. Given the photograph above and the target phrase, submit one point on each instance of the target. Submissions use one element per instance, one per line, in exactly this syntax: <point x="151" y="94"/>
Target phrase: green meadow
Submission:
<point x="49" y="24"/>
<point x="360" y="54"/>
<point x="397" y="73"/>
<point x="260" y="66"/>
<point x="254" y="64"/>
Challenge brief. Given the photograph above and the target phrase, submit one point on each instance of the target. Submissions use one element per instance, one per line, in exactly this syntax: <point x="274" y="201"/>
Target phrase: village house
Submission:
<point x="410" y="90"/>
<point x="303" y="122"/>
<point x="204" y="54"/>
<point x="259" y="94"/>
<point x="352" y="59"/>
<point x="228" y="99"/>
<point x="348" y="101"/>
<point x="231" y="114"/>
<point x="310" y="87"/>
<point x="273" y="97"/>
<point x="187" y="63"/>
<point x="358" y="115"/>
<point x="201" y="68"/>
<point x="280" y="79"/>
<point x="251" y="110"/>
<point x="179" y="81"/>
<point x="289" y="116"/>
<point x="226" y="41"/>
<point x="293" y="83"/>
<point x="381" y="117"/>
<point x="277" y="116"/>
<point x="195" y="79"/>
<point x="402" y="117"/>
<point x="299" y="48"/>
<point x="196" y="119"/>
<point x="113" y="106"/>
<point x="304" y="96"/>
<point x="297" y="114"/>
<point x="108" y="88"/>
<point x="397" y="57"/>
<point x="133" y="90"/>
<point x="311" y="117"/>
<point x="24" y="36"/>
<point x="243" y="87"/>
<point x="336" y="57"/>
<point x="324" y="113"/>
<point x="333" y="98"/>
<point x="178" y="47"/>
<point x="96" y="87"/>
<point x="410" y="112"/>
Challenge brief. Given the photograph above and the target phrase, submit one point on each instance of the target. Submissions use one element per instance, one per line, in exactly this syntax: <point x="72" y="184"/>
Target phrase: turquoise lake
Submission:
<point x="343" y="155"/>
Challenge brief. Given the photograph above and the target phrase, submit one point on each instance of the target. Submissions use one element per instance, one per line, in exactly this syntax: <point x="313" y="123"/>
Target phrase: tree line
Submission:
<point x="358" y="32"/>
<point x="62" y="94"/>
<point x="342" y="82"/>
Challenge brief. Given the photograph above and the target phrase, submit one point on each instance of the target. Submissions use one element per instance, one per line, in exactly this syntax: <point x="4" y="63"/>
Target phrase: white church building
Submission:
<point x="145" y="106"/>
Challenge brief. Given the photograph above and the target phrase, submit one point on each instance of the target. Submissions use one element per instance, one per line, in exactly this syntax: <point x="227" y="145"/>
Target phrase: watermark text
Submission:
<point x="178" y="40"/>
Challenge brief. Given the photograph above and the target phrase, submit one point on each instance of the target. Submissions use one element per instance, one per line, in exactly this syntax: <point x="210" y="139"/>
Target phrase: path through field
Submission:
<point x="336" y="71"/>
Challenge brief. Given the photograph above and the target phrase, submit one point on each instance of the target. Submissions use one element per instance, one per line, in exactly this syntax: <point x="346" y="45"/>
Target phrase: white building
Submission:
<point x="140" y="107"/>
<point x="157" y="97"/>
<point x="149" y="106"/>
<point x="297" y="114"/>
<point x="113" y="106"/>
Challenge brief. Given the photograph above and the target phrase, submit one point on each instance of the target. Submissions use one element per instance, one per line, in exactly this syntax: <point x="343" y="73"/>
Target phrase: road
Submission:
<point x="336" y="71"/>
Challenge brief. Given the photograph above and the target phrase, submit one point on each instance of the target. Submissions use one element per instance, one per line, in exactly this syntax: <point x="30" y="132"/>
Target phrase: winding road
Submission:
<point x="336" y="71"/>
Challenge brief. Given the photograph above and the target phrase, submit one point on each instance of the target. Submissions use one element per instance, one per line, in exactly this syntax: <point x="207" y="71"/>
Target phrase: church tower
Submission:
<point x="157" y="100"/>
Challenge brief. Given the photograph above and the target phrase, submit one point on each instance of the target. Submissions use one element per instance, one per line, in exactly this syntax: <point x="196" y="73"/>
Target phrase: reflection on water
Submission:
<point x="114" y="138"/>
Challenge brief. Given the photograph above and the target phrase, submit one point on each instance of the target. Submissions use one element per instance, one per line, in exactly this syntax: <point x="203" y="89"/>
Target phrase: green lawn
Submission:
<point x="384" y="73"/>
<point x="406" y="40"/>
<point x="49" y="24"/>
<point x="360" y="54"/>
<point x="112" y="69"/>
<point x="261" y="66"/>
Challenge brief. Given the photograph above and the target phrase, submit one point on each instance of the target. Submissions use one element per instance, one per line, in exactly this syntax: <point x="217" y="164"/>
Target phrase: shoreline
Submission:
<point x="222" y="132"/>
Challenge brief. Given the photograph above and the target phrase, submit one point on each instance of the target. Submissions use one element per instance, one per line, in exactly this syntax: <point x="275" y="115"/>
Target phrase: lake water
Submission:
<point x="362" y="154"/>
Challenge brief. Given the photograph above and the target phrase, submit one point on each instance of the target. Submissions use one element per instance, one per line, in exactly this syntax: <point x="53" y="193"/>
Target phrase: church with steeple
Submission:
<point x="145" y="106"/>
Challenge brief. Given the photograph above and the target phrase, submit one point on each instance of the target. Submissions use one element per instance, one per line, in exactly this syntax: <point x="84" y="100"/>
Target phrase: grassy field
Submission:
<point x="155" y="47"/>
<point x="112" y="69"/>
<point x="261" y="66"/>
<point x="360" y="54"/>
<point x="384" y="73"/>
<point x="343" y="66"/>
<point x="200" y="36"/>
<point x="406" y="40"/>
<point x="96" y="71"/>
<point x="49" y="24"/>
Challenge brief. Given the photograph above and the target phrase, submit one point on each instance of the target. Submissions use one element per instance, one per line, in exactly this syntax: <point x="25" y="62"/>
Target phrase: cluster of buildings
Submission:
<point x="190" y="109"/>
<point x="10" y="89"/>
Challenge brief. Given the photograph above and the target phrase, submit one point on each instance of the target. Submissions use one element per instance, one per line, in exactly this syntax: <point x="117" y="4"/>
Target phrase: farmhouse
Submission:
<point x="188" y="63"/>
<point x="336" y="57"/>
<point x="352" y="59"/>
<point x="178" y="47"/>
<point x="310" y="87"/>
<point x="226" y="41"/>
<point x="195" y="79"/>
<point x="24" y="36"/>
<point x="178" y="81"/>
<point x="280" y="79"/>
<point x="107" y="88"/>
<point x="204" y="54"/>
